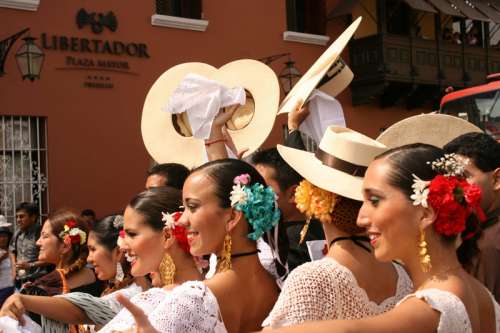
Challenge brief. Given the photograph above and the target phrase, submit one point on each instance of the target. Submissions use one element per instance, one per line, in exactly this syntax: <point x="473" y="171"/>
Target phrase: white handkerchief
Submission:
<point x="315" y="249"/>
<point x="324" y="111"/>
<point x="202" y="99"/>
<point x="10" y="325"/>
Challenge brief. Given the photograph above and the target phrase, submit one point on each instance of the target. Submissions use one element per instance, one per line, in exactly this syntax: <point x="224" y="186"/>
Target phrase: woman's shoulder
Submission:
<point x="324" y="271"/>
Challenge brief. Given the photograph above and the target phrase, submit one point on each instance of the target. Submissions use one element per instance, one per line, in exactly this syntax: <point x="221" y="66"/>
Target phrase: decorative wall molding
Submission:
<point x="293" y="36"/>
<point x="178" y="22"/>
<point x="31" y="5"/>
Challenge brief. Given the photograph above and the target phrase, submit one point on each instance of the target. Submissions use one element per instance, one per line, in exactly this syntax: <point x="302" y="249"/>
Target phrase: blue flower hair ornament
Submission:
<point x="258" y="204"/>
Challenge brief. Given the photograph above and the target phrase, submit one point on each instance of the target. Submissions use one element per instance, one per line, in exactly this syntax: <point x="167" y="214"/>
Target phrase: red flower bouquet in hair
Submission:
<point x="178" y="231"/>
<point x="71" y="234"/>
<point x="450" y="195"/>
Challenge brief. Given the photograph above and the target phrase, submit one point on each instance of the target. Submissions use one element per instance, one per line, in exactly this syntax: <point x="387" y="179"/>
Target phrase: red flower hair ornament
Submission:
<point x="450" y="195"/>
<point x="178" y="231"/>
<point x="71" y="234"/>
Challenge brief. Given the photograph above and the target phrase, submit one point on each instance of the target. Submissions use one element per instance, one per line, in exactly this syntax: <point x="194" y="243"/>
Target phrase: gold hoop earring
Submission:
<point x="167" y="270"/>
<point x="425" y="258"/>
<point x="225" y="261"/>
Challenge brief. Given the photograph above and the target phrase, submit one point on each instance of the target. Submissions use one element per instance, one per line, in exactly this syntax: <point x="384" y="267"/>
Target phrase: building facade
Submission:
<point x="72" y="137"/>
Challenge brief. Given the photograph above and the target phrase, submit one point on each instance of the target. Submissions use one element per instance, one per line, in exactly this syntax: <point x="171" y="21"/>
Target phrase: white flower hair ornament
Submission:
<point x="450" y="165"/>
<point x="170" y="219"/>
<point x="420" y="191"/>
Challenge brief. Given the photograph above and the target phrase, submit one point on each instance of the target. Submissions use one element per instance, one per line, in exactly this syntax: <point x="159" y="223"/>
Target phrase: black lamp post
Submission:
<point x="30" y="59"/>
<point x="288" y="75"/>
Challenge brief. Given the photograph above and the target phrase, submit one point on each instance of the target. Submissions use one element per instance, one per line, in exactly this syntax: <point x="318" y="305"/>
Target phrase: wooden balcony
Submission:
<point x="395" y="67"/>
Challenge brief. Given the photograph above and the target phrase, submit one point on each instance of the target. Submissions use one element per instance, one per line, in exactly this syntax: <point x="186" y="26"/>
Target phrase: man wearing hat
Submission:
<point x="483" y="169"/>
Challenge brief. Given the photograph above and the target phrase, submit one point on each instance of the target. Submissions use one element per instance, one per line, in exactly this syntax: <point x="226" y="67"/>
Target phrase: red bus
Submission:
<point x="480" y="105"/>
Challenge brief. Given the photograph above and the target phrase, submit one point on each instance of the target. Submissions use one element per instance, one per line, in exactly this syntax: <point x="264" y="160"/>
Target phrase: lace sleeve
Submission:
<point x="191" y="307"/>
<point x="309" y="293"/>
<point x="453" y="315"/>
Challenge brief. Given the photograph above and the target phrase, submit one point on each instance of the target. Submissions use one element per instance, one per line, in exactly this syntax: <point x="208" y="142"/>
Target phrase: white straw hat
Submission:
<point x="340" y="162"/>
<point x="249" y="127"/>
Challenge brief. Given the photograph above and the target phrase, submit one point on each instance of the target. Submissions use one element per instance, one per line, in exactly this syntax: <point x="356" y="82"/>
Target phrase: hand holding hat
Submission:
<point x="249" y="126"/>
<point x="328" y="67"/>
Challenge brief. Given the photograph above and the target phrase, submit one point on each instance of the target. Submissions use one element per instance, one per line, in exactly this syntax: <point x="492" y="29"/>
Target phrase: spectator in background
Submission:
<point x="171" y="174"/>
<point x="284" y="180"/>
<point x="88" y="215"/>
<point x="473" y="36"/>
<point x="456" y="39"/>
<point x="6" y="265"/>
<point x="483" y="169"/>
<point x="23" y="249"/>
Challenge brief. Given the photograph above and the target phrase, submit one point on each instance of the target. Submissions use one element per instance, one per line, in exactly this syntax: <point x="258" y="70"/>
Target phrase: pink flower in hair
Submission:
<point x="242" y="179"/>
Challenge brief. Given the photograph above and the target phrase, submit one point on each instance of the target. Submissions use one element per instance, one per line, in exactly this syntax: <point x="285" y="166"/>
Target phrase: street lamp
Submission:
<point x="5" y="46"/>
<point x="30" y="59"/>
<point x="288" y="75"/>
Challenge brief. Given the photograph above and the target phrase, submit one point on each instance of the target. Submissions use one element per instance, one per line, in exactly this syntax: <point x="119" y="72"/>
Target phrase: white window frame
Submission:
<point x="30" y="5"/>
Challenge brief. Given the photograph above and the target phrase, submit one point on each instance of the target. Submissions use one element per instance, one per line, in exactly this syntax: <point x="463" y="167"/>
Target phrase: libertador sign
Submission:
<point x="86" y="53"/>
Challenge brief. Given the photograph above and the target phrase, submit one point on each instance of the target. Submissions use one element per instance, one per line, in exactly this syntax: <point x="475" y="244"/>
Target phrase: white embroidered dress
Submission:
<point x="190" y="307"/>
<point x="454" y="317"/>
<point x="325" y="289"/>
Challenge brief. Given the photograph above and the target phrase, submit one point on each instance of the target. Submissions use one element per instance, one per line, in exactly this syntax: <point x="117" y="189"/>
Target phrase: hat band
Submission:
<point x="339" y="164"/>
<point x="329" y="75"/>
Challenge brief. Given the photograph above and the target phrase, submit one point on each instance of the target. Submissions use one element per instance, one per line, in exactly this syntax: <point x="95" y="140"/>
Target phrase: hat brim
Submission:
<point x="303" y="88"/>
<point x="165" y="144"/>
<point x="433" y="129"/>
<point x="320" y="175"/>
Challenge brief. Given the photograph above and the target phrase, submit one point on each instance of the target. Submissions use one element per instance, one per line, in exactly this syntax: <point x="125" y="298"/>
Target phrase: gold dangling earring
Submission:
<point x="167" y="270"/>
<point x="225" y="261"/>
<point x="425" y="258"/>
<point x="303" y="232"/>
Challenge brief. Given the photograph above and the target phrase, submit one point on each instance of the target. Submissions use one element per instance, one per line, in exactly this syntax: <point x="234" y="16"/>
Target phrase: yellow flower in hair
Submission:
<point x="314" y="201"/>
<point x="303" y="197"/>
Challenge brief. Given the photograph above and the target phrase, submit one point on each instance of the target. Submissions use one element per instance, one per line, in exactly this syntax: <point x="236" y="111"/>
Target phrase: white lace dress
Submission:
<point x="454" y="317"/>
<point x="190" y="307"/>
<point x="325" y="289"/>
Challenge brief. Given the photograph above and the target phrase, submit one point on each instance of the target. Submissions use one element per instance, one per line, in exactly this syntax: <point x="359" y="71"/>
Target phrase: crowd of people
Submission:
<point x="355" y="237"/>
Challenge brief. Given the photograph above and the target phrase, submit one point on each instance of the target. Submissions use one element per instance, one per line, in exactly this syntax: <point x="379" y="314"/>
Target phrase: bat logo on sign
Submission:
<point x="97" y="21"/>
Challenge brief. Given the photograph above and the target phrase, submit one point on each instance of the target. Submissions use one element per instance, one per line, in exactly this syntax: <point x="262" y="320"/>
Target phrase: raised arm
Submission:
<point x="51" y="307"/>
<point x="215" y="145"/>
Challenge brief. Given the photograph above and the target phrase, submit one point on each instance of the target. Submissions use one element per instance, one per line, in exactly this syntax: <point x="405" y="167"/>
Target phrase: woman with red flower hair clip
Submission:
<point x="63" y="243"/>
<point x="417" y="208"/>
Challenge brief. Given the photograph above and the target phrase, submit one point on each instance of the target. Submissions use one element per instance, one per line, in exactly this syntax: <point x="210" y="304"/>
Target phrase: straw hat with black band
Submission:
<point x="329" y="73"/>
<point x="434" y="129"/>
<point x="168" y="138"/>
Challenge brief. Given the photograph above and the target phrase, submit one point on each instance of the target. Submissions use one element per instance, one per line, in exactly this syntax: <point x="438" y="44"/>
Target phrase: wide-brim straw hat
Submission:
<point x="431" y="128"/>
<point x="249" y="127"/>
<point x="338" y="75"/>
<point x="340" y="162"/>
